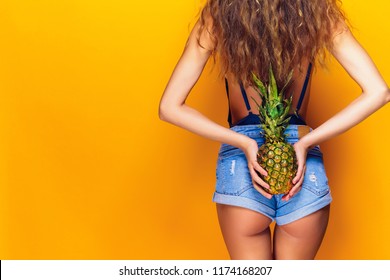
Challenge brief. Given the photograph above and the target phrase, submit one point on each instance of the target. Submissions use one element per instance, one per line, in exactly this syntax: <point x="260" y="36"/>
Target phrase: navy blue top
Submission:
<point x="254" y="119"/>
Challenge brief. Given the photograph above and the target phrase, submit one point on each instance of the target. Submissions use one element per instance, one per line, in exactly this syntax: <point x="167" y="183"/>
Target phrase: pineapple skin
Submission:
<point x="279" y="160"/>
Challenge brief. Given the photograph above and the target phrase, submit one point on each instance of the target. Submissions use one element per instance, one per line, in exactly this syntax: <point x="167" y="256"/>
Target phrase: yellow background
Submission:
<point x="88" y="171"/>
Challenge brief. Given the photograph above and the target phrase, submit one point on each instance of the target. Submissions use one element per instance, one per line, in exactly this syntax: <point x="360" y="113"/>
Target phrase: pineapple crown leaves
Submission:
<point x="274" y="107"/>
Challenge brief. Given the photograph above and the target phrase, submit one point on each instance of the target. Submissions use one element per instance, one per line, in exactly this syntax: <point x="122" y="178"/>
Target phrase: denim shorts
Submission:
<point x="234" y="183"/>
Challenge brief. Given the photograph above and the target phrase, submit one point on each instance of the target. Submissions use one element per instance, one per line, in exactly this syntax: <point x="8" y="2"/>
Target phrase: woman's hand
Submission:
<point x="301" y="153"/>
<point x="250" y="149"/>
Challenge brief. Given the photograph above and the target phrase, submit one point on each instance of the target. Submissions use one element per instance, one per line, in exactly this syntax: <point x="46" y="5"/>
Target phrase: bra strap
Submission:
<point x="244" y="95"/>
<point x="306" y="83"/>
<point x="227" y="93"/>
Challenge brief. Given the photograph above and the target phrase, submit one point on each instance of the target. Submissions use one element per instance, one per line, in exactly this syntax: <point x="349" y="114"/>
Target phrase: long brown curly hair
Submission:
<point x="250" y="35"/>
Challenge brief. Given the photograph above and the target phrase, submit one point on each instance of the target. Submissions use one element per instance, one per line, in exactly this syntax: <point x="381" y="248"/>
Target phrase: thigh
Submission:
<point x="302" y="238"/>
<point x="246" y="232"/>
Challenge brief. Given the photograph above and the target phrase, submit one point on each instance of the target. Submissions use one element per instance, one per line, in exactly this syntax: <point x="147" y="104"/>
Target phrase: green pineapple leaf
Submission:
<point x="272" y="84"/>
<point x="257" y="103"/>
<point x="274" y="107"/>
<point x="259" y="84"/>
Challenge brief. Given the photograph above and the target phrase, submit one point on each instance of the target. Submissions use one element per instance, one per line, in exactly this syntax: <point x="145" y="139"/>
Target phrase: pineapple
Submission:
<point x="276" y="156"/>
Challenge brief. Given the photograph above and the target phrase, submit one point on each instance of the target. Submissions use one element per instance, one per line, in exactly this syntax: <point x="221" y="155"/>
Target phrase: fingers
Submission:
<point x="300" y="172"/>
<point x="256" y="178"/>
<point x="263" y="192"/>
<point x="259" y="169"/>
<point x="297" y="187"/>
<point x="258" y="183"/>
<point x="301" y="159"/>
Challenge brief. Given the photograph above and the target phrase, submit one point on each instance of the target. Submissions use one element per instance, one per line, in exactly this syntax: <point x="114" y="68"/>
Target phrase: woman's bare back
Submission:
<point x="237" y="103"/>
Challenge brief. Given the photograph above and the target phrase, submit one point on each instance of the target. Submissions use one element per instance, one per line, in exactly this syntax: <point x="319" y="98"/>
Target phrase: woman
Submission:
<point x="247" y="36"/>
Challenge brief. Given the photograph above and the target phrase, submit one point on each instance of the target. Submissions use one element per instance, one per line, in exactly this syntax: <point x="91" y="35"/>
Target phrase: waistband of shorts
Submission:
<point x="292" y="131"/>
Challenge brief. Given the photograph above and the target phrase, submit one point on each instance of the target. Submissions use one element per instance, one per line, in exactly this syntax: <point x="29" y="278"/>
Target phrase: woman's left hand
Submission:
<point x="301" y="153"/>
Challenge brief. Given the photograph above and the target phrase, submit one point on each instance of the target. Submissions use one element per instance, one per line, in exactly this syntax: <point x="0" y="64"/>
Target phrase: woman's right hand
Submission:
<point x="250" y="149"/>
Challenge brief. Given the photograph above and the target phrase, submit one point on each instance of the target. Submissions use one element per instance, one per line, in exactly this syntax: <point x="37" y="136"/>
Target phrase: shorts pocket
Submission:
<point x="315" y="179"/>
<point x="233" y="177"/>
<point x="227" y="151"/>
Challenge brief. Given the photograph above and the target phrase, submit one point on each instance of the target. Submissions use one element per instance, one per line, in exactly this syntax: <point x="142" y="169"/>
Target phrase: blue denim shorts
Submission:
<point x="234" y="183"/>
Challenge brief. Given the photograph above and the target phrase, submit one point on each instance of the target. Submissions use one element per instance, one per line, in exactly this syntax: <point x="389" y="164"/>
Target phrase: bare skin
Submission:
<point x="301" y="239"/>
<point x="237" y="105"/>
<point x="246" y="232"/>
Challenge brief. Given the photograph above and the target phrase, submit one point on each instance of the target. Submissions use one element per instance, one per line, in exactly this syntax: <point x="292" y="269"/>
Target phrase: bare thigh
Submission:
<point x="301" y="239"/>
<point x="246" y="232"/>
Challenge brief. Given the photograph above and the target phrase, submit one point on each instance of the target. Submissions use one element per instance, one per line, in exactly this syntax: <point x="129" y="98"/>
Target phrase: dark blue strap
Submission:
<point x="227" y="93"/>
<point x="304" y="88"/>
<point x="244" y="95"/>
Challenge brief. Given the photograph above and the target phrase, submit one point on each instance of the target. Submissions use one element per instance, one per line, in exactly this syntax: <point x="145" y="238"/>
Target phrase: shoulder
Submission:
<point x="202" y="32"/>
<point x="340" y="31"/>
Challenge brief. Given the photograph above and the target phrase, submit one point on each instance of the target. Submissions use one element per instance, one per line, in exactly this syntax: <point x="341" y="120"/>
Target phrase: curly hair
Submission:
<point x="250" y="35"/>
